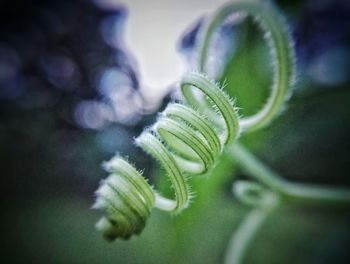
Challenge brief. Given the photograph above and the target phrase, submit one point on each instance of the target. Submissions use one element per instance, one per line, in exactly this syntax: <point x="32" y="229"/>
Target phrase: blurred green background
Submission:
<point x="70" y="99"/>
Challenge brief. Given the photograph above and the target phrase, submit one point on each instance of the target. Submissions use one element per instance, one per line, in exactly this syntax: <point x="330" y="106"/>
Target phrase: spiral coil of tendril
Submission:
<point x="184" y="142"/>
<point x="187" y="138"/>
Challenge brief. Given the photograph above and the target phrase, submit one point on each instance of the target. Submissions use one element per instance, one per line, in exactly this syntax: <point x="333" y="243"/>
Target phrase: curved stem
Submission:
<point x="242" y="238"/>
<point x="291" y="191"/>
<point x="280" y="44"/>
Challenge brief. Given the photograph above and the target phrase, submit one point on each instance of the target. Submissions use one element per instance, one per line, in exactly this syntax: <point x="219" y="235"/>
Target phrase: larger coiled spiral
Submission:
<point x="188" y="137"/>
<point x="184" y="142"/>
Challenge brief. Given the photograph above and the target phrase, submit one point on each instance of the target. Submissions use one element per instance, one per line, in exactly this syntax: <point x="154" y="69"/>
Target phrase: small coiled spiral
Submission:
<point x="188" y="138"/>
<point x="184" y="142"/>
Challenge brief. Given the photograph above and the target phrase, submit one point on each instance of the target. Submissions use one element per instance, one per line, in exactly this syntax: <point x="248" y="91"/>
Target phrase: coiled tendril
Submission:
<point x="187" y="137"/>
<point x="184" y="142"/>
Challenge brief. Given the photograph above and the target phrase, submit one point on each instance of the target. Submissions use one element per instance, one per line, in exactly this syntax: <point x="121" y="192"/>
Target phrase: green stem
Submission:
<point x="299" y="192"/>
<point x="242" y="238"/>
<point x="280" y="44"/>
